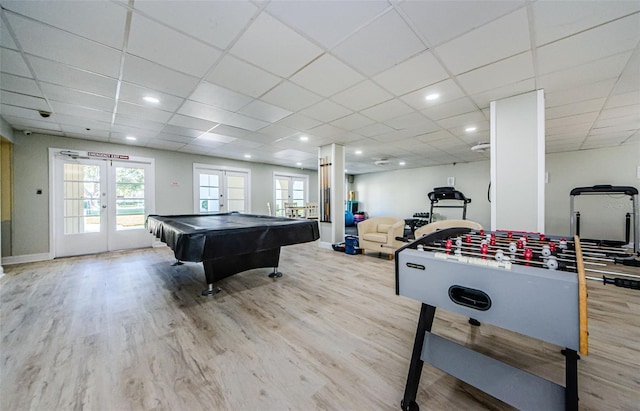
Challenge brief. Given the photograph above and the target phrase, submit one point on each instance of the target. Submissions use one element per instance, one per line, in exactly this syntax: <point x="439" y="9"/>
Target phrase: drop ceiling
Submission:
<point x="274" y="80"/>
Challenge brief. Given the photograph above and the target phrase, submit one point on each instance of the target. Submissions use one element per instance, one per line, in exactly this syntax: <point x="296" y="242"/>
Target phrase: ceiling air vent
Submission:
<point x="481" y="147"/>
<point x="381" y="162"/>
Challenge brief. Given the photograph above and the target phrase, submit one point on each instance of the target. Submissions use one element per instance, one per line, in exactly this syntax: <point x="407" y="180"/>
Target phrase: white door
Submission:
<point x="289" y="189"/>
<point x="100" y="205"/>
<point x="220" y="191"/>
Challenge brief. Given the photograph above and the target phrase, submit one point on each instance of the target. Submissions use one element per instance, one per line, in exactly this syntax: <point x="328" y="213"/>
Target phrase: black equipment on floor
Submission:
<point x="606" y="190"/>
<point x="447" y="193"/>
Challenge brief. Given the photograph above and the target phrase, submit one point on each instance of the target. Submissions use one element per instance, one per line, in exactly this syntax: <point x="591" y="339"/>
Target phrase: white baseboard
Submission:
<point x="28" y="258"/>
<point x="324" y="244"/>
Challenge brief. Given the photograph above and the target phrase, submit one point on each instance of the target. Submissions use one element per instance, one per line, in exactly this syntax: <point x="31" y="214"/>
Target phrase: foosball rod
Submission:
<point x="509" y="254"/>
<point x="485" y="256"/>
<point x="605" y="272"/>
<point x="618" y="282"/>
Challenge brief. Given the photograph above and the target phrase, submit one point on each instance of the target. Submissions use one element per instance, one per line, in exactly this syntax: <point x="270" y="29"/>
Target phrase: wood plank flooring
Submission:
<point x="127" y="331"/>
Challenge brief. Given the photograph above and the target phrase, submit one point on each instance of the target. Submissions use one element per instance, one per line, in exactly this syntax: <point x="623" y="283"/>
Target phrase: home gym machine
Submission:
<point x="632" y="192"/>
<point x="447" y="193"/>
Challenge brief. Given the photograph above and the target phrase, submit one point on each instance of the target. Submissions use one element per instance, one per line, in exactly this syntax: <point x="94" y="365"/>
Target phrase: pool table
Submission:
<point x="229" y="243"/>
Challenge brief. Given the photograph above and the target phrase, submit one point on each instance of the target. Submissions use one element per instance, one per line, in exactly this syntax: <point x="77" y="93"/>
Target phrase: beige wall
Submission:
<point x="174" y="179"/>
<point x="404" y="192"/>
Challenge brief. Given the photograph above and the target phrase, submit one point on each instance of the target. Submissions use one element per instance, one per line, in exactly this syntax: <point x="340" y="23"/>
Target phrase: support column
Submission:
<point x="518" y="162"/>
<point x="332" y="194"/>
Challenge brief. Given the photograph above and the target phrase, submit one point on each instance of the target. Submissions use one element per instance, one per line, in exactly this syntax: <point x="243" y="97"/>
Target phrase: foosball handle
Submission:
<point x="622" y="282"/>
<point x="632" y="262"/>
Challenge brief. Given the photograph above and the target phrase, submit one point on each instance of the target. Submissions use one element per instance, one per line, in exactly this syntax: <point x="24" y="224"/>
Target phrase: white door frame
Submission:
<point x="218" y="168"/>
<point x="53" y="195"/>
<point x="277" y="174"/>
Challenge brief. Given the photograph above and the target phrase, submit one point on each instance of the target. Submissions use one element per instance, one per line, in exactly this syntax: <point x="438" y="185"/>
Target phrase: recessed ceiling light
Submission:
<point x="304" y="138"/>
<point x="470" y="129"/>
<point x="358" y="152"/>
<point x="298" y="164"/>
<point x="432" y="96"/>
<point x="247" y="156"/>
<point x="150" y="99"/>
<point x="131" y="138"/>
<point x="402" y="163"/>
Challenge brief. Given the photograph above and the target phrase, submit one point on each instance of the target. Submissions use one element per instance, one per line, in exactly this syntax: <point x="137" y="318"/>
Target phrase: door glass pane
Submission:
<point x="130" y="201"/>
<point x="81" y="199"/>
<point x="282" y="195"/>
<point x="236" y="193"/>
<point x="209" y="193"/>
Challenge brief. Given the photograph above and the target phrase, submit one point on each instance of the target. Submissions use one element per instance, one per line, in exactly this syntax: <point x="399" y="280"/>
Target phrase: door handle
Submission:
<point x="104" y="206"/>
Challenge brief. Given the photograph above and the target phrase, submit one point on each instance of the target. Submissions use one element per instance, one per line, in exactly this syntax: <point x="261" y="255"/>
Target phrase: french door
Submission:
<point x="291" y="190"/>
<point x="100" y="205"/>
<point x="220" y="189"/>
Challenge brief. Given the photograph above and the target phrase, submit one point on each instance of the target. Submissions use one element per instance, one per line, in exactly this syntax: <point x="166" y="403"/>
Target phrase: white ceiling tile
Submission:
<point x="142" y="112"/>
<point x="352" y="122"/>
<point x="327" y="76"/>
<point x="361" y="96"/>
<point x="217" y="96"/>
<point x="326" y="111"/>
<point x="82" y="132"/>
<point x="621" y="100"/>
<point x="440" y="21"/>
<point x="154" y="76"/>
<point x="68" y="76"/>
<point x="387" y="110"/>
<point x="326" y="22"/>
<point x="502" y="73"/>
<point x="474" y="118"/>
<point x="412" y="74"/>
<point x="231" y="131"/>
<point x="23" y="100"/>
<point x="298" y="121"/>
<point x="19" y="84"/>
<point x="629" y="79"/>
<point x="585" y="118"/>
<point x="264" y="111"/>
<point x="558" y="19"/>
<point x="374" y="130"/>
<point x="156" y="42"/>
<point x="447" y="90"/>
<point x="435" y="136"/>
<point x="22" y="118"/>
<point x="13" y="63"/>
<point x="82" y="112"/>
<point x="63" y="47"/>
<point x="290" y="96"/>
<point x="133" y="93"/>
<point x="220" y="138"/>
<point x="189" y="122"/>
<point x="412" y="120"/>
<point x="599" y="42"/>
<point x="449" y="109"/>
<point x="82" y="123"/>
<point x="586" y="92"/>
<point x="205" y="112"/>
<point x="244" y="78"/>
<point x="379" y="45"/>
<point x="497" y="40"/>
<point x="164" y="144"/>
<point x="242" y="121"/>
<point x="587" y="106"/>
<point x="100" y="21"/>
<point x="185" y="136"/>
<point x="274" y="47"/>
<point x="588" y="73"/>
<point x="214" y="22"/>
<point x="326" y="130"/>
<point x="631" y="111"/>
<point x="77" y="98"/>
<point x="6" y="40"/>
<point x="135" y="127"/>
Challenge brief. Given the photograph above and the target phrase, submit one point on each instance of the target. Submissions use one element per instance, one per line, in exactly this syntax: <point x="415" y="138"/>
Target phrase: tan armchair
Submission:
<point x="379" y="234"/>
<point x="439" y="225"/>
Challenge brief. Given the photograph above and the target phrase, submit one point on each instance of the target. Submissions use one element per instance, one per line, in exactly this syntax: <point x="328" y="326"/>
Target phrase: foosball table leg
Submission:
<point x="571" y="379"/>
<point x="427" y="313"/>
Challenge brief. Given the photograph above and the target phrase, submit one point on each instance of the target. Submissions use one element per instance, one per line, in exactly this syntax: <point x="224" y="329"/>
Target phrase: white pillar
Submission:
<point x="331" y="228"/>
<point x="518" y="162"/>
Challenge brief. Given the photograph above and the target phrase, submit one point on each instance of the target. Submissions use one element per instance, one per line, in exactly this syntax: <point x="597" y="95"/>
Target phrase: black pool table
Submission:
<point x="229" y="243"/>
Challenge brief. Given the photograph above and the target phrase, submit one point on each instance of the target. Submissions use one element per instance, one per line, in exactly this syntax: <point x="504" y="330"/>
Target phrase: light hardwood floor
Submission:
<point x="127" y="331"/>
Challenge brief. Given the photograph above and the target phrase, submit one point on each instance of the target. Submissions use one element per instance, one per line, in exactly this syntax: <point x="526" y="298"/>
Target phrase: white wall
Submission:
<point x="404" y="192"/>
<point x="174" y="180"/>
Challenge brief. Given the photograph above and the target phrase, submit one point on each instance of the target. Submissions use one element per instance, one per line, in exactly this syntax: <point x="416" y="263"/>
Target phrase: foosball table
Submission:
<point x="523" y="282"/>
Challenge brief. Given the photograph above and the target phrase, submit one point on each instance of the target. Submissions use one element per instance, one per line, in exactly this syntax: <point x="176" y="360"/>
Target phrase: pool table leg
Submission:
<point x="275" y="273"/>
<point x="211" y="290"/>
